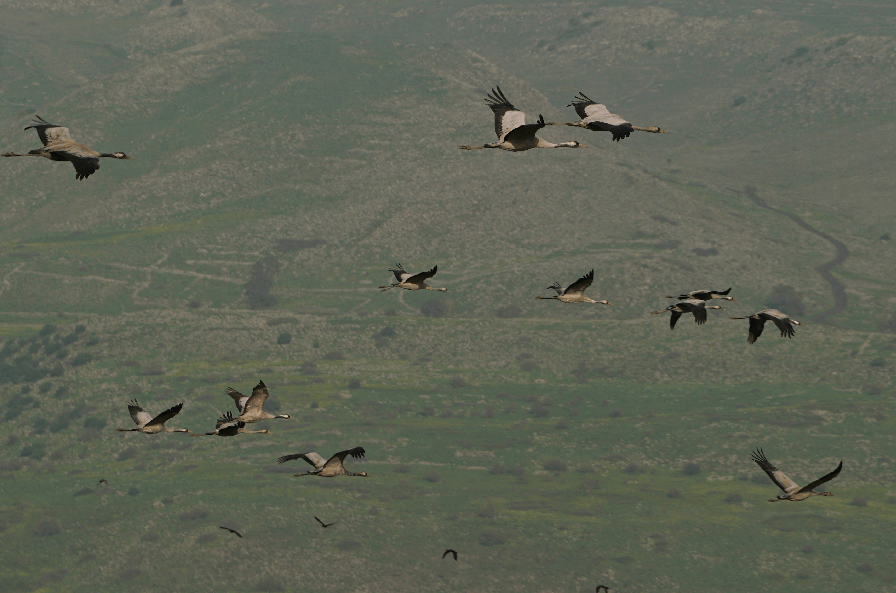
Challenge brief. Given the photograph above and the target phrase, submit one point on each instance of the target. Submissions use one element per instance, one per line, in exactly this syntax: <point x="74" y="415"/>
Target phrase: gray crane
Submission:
<point x="596" y="117"/>
<point x="704" y="295"/>
<point x="412" y="281"/>
<point x="251" y="407"/>
<point x="514" y="134"/>
<point x="575" y="292"/>
<point x="228" y="426"/>
<point x="327" y="468"/>
<point x="757" y="323"/>
<point x="695" y="306"/>
<point x="59" y="146"/>
<point x="147" y="424"/>
<point x="792" y="491"/>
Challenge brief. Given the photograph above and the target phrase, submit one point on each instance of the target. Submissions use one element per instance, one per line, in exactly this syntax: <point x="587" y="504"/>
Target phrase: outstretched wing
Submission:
<point x="224" y="420"/>
<point x="507" y="117"/>
<point x="555" y="286"/>
<point x="422" y="276"/>
<point x="756" y="326"/>
<point x="722" y="293"/>
<point x="676" y="315"/>
<point x="813" y="485"/>
<point x="580" y="285"/>
<point x="166" y="415"/>
<point x="313" y="458"/>
<point x="140" y="416"/>
<point x="336" y="460"/>
<point x="85" y="166"/>
<point x="699" y="311"/>
<point x="596" y="116"/>
<point x="452" y="552"/>
<point x="399" y="272"/>
<point x="778" y="477"/>
<point x="50" y="133"/>
<point x="238" y="398"/>
<point x="782" y="321"/>
<point x="258" y="397"/>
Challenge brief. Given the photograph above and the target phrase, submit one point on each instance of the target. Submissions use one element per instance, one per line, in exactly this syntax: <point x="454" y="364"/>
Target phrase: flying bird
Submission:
<point x="575" y="292"/>
<point x="412" y="281"/>
<point x="514" y="134"/>
<point x="59" y="146"/>
<point x="228" y="426"/>
<point x="251" y="407"/>
<point x="695" y="306"/>
<point x="324" y="525"/>
<point x="604" y="587"/>
<point x="704" y="295"/>
<point x="233" y="531"/>
<point x="757" y="323"/>
<point x="452" y="552"/>
<point x="329" y="468"/>
<point x="791" y="489"/>
<point x="149" y="425"/>
<point x="596" y="117"/>
<point x="103" y="481"/>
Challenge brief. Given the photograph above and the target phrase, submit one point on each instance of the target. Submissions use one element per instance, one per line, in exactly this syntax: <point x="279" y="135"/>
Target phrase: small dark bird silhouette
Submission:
<point x="236" y="533"/>
<point x="324" y="525"/>
<point x="452" y="552"/>
<point x="103" y="481"/>
<point x="604" y="587"/>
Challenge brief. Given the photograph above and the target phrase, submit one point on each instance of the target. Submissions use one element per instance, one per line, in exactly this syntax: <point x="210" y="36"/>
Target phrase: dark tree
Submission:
<point x="261" y="281"/>
<point x="787" y="299"/>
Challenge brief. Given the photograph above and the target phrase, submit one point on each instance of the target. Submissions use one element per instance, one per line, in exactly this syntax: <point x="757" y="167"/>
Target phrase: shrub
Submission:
<point x="508" y="312"/>
<point x="47" y="330"/>
<point x="334" y="355"/>
<point x="516" y="470"/>
<point x="492" y="538"/>
<point x="308" y="368"/>
<point x="785" y="298"/>
<point x="348" y="545"/>
<point x="59" y="423"/>
<point x="194" y="514"/>
<point x="436" y="308"/>
<point x="859" y="501"/>
<point x="403" y="469"/>
<point x="354" y="383"/>
<point x="734" y="498"/>
<point x="208" y="537"/>
<point x="632" y="469"/>
<point x="497" y="469"/>
<point x="865" y="567"/>
<point x="487" y="512"/>
<point x="540" y="410"/>
<point x="261" y="281"/>
<point x="284" y="338"/>
<point x="47" y="527"/>
<point x="432" y="477"/>
<point x="427" y="411"/>
<point x="387" y="332"/>
<point x="555" y="465"/>
<point x="133" y="491"/>
<point x="127" y="453"/>
<point x="95" y="423"/>
<point x="34" y="451"/>
<point x="690" y="469"/>
<point x="457" y="382"/>
<point x="174" y="3"/>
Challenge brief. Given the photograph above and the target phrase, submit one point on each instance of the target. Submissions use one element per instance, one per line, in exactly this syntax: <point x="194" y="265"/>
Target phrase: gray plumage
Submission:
<point x="792" y="491"/>
<point x="513" y="133"/>
<point x="781" y="320"/>
<point x="597" y="118"/>
<point x="251" y="408"/>
<point x="704" y="295"/>
<point x="228" y="426"/>
<point x="695" y="306"/>
<point x="59" y="146"/>
<point x="409" y="281"/>
<point x="331" y="467"/>
<point x="575" y="292"/>
<point x="147" y="424"/>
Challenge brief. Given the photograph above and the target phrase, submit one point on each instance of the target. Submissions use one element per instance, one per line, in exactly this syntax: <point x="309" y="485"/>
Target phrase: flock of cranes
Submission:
<point x="694" y="302"/>
<point x="514" y="135"/>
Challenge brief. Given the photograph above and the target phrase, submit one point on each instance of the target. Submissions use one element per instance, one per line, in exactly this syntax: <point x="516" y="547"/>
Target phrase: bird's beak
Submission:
<point x="128" y="158"/>
<point x="609" y="303"/>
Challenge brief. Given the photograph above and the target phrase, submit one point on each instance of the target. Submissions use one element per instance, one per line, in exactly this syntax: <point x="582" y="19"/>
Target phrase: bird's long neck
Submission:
<point x="127" y="429"/>
<point x="652" y="129"/>
<point x="348" y="473"/>
<point x="556" y="298"/>
<point x="108" y="154"/>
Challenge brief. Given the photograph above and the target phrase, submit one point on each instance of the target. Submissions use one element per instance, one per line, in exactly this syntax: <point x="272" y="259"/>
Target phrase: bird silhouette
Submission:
<point x="102" y="481"/>
<point x="233" y="531"/>
<point x="452" y="552"/>
<point x="324" y="525"/>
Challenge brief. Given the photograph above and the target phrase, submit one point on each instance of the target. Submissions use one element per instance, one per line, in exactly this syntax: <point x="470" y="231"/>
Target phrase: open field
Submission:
<point x="555" y="447"/>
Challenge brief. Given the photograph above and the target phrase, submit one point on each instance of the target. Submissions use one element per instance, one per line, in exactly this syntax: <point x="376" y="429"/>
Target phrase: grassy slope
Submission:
<point x="252" y="126"/>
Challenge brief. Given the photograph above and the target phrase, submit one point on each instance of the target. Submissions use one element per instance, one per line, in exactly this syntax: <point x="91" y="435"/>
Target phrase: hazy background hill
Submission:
<point x="311" y="145"/>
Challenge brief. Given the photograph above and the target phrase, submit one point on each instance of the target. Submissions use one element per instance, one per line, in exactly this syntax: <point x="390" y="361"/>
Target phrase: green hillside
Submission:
<point x="556" y="447"/>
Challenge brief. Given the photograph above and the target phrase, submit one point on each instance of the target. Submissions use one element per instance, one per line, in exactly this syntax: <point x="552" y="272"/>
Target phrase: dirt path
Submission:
<point x="837" y="287"/>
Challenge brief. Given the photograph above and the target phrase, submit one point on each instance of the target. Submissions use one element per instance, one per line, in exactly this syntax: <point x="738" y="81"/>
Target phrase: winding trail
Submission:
<point x="837" y="287"/>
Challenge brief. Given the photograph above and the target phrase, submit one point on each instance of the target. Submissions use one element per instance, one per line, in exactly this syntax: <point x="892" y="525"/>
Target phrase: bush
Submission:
<point x="308" y="368"/>
<point x="508" y="312"/>
<point x="554" y="465"/>
<point x="47" y="330"/>
<point x="403" y="469"/>
<point x="516" y="470"/>
<point x="690" y="469"/>
<point x="436" y="308"/>
<point x="787" y="299"/>
<point x="34" y="451"/>
<point x="734" y="498"/>
<point x="432" y="477"/>
<point x="284" y="338"/>
<point x="59" y="423"/>
<point x="632" y="469"/>
<point x="208" y="537"/>
<point x="47" y="527"/>
<point x="95" y="423"/>
<point x="488" y="512"/>
<point x="127" y="453"/>
<point x="387" y="332"/>
<point x="261" y="281"/>
<point x="427" y="411"/>
<point x="133" y="491"/>
<point x="497" y="469"/>
<point x="334" y="355"/>
<point x="492" y="538"/>
<point x="194" y="514"/>
<point x="354" y="383"/>
<point x="458" y="382"/>
<point x="348" y="545"/>
<point x="859" y="501"/>
<point x="540" y="410"/>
